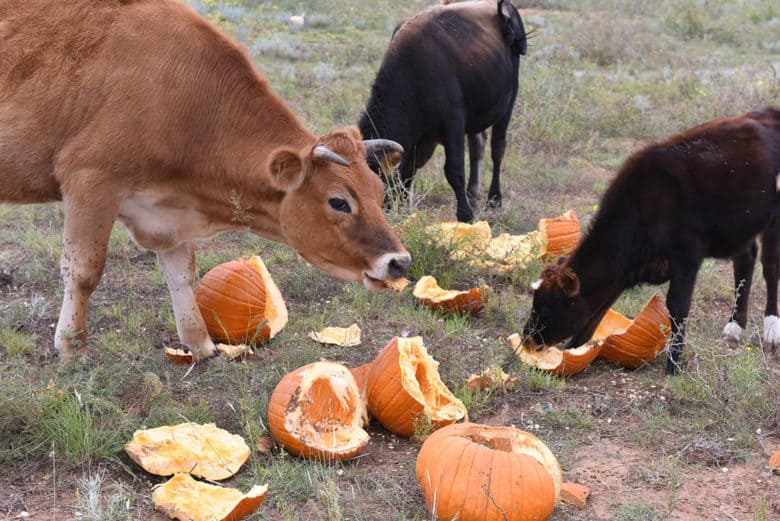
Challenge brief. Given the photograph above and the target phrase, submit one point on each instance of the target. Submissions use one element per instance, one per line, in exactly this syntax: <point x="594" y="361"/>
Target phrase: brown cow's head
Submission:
<point x="332" y="214"/>
<point x="559" y="309"/>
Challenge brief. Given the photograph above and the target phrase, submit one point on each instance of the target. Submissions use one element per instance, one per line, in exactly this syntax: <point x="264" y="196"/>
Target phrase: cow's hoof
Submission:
<point x="732" y="331"/>
<point x="771" y="330"/>
<point x="672" y="367"/>
<point x="494" y="202"/>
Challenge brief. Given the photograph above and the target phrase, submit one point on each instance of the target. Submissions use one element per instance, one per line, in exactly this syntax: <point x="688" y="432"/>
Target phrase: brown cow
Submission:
<point x="707" y="192"/>
<point x="140" y="111"/>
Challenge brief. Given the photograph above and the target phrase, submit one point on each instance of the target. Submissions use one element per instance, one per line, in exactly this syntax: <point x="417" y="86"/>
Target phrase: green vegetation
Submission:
<point x="601" y="79"/>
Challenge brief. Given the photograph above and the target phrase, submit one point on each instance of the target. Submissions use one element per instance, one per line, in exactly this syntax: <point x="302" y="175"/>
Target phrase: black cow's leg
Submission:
<point x="678" y="301"/>
<point x="412" y="160"/>
<point x="476" y="153"/>
<point x="770" y="260"/>
<point x="497" y="148"/>
<point x="454" y="170"/>
<point x="744" y="264"/>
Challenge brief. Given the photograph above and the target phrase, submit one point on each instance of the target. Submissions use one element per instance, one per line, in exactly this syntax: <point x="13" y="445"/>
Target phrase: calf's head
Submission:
<point x="559" y="310"/>
<point x="331" y="213"/>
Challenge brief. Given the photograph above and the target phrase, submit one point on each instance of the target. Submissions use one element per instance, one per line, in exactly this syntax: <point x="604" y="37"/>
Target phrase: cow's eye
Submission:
<point x="339" y="204"/>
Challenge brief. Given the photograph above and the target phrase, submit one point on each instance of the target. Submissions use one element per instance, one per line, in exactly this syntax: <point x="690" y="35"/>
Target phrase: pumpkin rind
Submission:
<point x="473" y="472"/>
<point x="774" y="462"/>
<point x="637" y="341"/>
<point x="562" y="234"/>
<point x="317" y="412"/>
<point x="235" y="298"/>
<point x="186" y="499"/>
<point x="428" y="293"/>
<point x="202" y="450"/>
<point x="562" y="362"/>
<point x="405" y="390"/>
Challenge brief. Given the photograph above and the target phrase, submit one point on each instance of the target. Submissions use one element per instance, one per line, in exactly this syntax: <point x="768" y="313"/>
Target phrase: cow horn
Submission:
<point x="324" y="153"/>
<point x="374" y="146"/>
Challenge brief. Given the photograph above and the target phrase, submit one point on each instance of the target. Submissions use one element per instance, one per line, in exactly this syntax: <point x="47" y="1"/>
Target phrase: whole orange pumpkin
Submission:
<point x="473" y="472"/>
<point x="240" y="302"/>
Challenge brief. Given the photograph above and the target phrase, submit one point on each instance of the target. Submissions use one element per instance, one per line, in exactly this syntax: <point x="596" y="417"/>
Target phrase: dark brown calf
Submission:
<point x="707" y="192"/>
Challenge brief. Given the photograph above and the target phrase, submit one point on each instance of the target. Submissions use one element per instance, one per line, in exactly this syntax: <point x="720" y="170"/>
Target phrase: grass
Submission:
<point x="601" y="79"/>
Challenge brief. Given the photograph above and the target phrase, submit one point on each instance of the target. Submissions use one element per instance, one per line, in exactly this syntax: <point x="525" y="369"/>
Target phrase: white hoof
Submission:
<point x="772" y="330"/>
<point x="732" y="331"/>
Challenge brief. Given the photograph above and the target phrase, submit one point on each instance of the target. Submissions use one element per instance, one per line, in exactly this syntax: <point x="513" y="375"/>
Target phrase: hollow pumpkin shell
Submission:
<point x="317" y="412"/>
<point x="562" y="234"/>
<point x="405" y="392"/>
<point x="633" y="343"/>
<point x="186" y="499"/>
<point x="202" y="450"/>
<point x="240" y="302"/>
<point x="562" y="362"/>
<point x="473" y="472"/>
<point x="428" y="293"/>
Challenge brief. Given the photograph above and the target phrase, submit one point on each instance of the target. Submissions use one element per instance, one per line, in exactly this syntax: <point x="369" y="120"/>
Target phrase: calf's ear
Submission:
<point x="286" y="169"/>
<point x="569" y="283"/>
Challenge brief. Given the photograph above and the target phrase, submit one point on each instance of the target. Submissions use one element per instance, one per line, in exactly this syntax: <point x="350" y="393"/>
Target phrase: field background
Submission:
<point x="601" y="79"/>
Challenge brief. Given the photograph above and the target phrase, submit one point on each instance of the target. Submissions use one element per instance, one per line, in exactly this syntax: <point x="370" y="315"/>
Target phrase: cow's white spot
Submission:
<point x="777" y="182"/>
<point x="772" y="330"/>
<point x="732" y="331"/>
<point x="536" y="285"/>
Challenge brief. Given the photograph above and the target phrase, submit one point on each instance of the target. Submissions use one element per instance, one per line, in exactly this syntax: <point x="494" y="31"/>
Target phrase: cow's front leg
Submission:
<point x="178" y="266"/>
<point x="744" y="264"/>
<point x="678" y="302"/>
<point x="770" y="260"/>
<point x="86" y="231"/>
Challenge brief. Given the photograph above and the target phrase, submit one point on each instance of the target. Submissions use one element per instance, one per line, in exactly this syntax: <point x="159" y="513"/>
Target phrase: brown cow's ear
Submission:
<point x="286" y="169"/>
<point x="569" y="283"/>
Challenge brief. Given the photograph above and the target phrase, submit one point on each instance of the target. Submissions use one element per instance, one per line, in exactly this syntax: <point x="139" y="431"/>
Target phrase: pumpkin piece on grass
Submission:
<point x="633" y="343"/>
<point x="240" y="302"/>
<point x="428" y="293"/>
<point x="317" y="412"/>
<point x="473" y="472"/>
<point x="562" y="362"/>
<point x="202" y="450"/>
<point x="186" y="499"/>
<point x="397" y="285"/>
<point x="560" y="234"/>
<point x="231" y="351"/>
<point x="463" y="239"/>
<point x="506" y="252"/>
<point x="575" y="494"/>
<point x="774" y="462"/>
<point x="338" y="336"/>
<point x="489" y="378"/>
<point x="405" y="392"/>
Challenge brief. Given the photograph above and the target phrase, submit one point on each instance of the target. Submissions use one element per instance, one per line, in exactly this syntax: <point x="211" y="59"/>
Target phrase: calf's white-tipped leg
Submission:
<point x="732" y="331"/>
<point x="771" y="330"/>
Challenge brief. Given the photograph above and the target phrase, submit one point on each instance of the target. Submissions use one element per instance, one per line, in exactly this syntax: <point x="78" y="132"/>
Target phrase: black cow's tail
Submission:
<point x="512" y="27"/>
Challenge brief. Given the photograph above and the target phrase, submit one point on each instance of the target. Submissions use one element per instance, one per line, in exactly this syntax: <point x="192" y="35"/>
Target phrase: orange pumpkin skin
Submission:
<point x="317" y="412"/>
<point x="640" y="340"/>
<point x="473" y="472"/>
<point x="360" y="373"/>
<point x="562" y="234"/>
<point x="405" y="392"/>
<point x="428" y="293"/>
<point x="566" y="362"/>
<point x="235" y="298"/>
<point x="774" y="462"/>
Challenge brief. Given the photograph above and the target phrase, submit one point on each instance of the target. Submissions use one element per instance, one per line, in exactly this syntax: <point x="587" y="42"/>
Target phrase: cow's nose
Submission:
<point x="399" y="265"/>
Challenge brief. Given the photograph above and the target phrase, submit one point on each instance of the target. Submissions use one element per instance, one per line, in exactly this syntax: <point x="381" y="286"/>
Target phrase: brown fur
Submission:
<point x="141" y="111"/>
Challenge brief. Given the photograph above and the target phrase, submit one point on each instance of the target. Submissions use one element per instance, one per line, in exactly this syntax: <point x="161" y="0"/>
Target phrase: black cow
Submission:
<point x="708" y="192"/>
<point x="448" y="71"/>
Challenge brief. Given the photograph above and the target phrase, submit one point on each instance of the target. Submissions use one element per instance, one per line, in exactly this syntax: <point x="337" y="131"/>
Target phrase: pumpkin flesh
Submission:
<point x="473" y="472"/>
<point x="428" y="293"/>
<point x="405" y="391"/>
<point x="317" y="412"/>
<point x="186" y="499"/>
<point x="562" y="362"/>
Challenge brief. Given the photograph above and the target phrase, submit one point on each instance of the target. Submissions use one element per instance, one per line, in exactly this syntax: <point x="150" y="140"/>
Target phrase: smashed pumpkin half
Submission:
<point x="240" y="302"/>
<point x="317" y="412"/>
<point x="202" y="450"/>
<point x="428" y="293"/>
<point x="632" y="343"/>
<point x="186" y="499"/>
<point x="561" y="234"/>
<point x="563" y="362"/>
<point x="473" y="472"/>
<point x="405" y="392"/>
